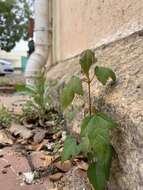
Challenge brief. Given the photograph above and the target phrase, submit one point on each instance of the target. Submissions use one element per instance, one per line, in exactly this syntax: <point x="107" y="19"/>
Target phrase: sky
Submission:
<point x="20" y="46"/>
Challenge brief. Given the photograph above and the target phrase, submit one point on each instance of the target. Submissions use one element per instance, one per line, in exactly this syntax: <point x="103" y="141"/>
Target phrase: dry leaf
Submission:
<point x="47" y="159"/>
<point x="20" y="130"/>
<point x="56" y="177"/>
<point x="82" y="165"/>
<point x="4" y="138"/>
<point x="39" y="136"/>
<point x="63" y="166"/>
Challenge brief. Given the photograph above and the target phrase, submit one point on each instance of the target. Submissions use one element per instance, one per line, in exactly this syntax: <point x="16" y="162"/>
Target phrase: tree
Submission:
<point x="14" y="16"/>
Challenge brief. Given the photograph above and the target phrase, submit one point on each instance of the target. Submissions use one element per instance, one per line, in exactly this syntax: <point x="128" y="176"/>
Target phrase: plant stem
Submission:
<point x="89" y="95"/>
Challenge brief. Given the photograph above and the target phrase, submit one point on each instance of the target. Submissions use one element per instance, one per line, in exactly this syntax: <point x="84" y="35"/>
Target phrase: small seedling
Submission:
<point x="5" y="117"/>
<point x="40" y="108"/>
<point x="40" y="100"/>
<point x="95" y="128"/>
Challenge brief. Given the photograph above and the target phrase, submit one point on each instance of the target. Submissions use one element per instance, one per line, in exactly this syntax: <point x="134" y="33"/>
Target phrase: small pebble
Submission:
<point x="7" y="166"/>
<point x="1" y="155"/>
<point x="4" y="171"/>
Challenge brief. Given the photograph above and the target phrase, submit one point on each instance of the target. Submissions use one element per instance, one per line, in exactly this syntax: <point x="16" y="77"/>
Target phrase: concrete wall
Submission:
<point x="81" y="24"/>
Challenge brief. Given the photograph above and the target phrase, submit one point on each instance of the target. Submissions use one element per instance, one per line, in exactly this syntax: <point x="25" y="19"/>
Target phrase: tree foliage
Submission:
<point x="14" y="15"/>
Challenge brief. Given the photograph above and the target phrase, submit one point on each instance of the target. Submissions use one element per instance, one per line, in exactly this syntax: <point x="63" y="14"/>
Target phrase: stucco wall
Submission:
<point x="81" y="24"/>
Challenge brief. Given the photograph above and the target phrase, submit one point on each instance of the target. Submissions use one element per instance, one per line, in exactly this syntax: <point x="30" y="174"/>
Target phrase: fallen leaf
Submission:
<point x="4" y="138"/>
<point x="39" y="146"/>
<point x="39" y="136"/>
<point x="20" y="130"/>
<point x="56" y="177"/>
<point x="36" y="159"/>
<point x="82" y="165"/>
<point x="63" y="166"/>
<point x="47" y="159"/>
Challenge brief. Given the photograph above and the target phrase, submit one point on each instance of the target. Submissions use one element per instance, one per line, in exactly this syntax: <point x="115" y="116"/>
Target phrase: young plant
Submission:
<point x="40" y="102"/>
<point x="5" y="117"/>
<point x="95" y="128"/>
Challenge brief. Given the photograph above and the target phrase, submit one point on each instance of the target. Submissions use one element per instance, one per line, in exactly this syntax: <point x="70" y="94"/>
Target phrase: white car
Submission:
<point x="5" y="67"/>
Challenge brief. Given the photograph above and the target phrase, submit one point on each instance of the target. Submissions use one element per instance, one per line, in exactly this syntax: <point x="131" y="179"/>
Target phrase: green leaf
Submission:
<point x="67" y="97"/>
<point x="98" y="136"/>
<point x="71" y="149"/>
<point x="106" y="120"/>
<point x="84" y="125"/>
<point x="20" y="87"/>
<point x="97" y="176"/>
<point x="86" y="60"/>
<point x="103" y="166"/>
<point x="103" y="74"/>
<point x="74" y="86"/>
<point x="84" y="145"/>
<point x="106" y="160"/>
<point x="98" y="133"/>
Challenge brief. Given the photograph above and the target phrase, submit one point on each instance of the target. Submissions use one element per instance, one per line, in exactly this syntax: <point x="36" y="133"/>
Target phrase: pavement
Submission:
<point x="12" y="166"/>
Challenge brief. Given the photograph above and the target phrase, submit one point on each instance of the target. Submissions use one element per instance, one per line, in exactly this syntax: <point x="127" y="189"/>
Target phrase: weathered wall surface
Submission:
<point x="82" y="24"/>
<point x="124" y="101"/>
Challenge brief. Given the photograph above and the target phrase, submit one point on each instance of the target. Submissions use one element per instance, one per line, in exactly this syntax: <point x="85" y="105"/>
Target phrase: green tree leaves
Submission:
<point x="14" y="16"/>
<point x="86" y="60"/>
<point x="74" y="86"/>
<point x="103" y="74"/>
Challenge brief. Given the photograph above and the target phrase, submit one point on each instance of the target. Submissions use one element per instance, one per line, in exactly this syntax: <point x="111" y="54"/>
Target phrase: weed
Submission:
<point x="5" y="117"/>
<point x="95" y="128"/>
<point x="39" y="108"/>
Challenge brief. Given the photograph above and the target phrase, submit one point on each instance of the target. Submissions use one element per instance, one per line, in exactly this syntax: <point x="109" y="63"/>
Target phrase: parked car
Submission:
<point x="6" y="67"/>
